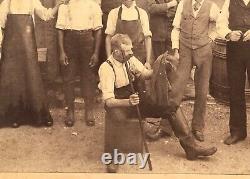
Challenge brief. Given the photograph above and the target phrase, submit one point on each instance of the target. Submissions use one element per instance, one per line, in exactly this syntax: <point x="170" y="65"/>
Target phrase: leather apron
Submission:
<point x="21" y="88"/>
<point x="134" y="30"/>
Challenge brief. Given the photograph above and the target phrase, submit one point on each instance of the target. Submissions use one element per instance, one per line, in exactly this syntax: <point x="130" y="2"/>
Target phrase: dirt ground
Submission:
<point x="79" y="149"/>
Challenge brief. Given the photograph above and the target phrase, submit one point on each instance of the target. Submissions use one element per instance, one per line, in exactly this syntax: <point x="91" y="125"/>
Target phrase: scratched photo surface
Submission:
<point x="57" y="117"/>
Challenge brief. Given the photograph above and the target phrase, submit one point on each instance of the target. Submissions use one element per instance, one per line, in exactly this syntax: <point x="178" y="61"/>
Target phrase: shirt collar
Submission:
<point x="125" y="7"/>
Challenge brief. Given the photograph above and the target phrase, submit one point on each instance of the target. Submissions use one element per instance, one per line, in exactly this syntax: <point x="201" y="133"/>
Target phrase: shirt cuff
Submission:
<point x="106" y="96"/>
<point x="97" y="28"/>
<point x="175" y="44"/>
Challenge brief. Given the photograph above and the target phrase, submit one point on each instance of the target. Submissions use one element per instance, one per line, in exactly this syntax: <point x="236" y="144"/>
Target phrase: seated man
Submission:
<point x="120" y="102"/>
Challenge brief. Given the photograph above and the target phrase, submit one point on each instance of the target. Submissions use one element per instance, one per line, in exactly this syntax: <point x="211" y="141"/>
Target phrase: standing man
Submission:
<point x="191" y="40"/>
<point x="133" y="21"/>
<point x="234" y="25"/>
<point x="79" y="27"/>
<point x="160" y="19"/>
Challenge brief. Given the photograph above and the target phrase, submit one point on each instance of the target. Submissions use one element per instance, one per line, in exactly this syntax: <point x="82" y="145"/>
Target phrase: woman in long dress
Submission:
<point x="22" y="96"/>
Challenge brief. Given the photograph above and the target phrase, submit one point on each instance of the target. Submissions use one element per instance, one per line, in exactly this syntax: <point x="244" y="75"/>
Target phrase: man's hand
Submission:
<point x="63" y="59"/>
<point x="93" y="60"/>
<point x="234" y="35"/>
<point x="176" y="54"/>
<point x="59" y="2"/>
<point x="172" y="3"/>
<point x="147" y="65"/>
<point x="246" y="36"/>
<point x="134" y="99"/>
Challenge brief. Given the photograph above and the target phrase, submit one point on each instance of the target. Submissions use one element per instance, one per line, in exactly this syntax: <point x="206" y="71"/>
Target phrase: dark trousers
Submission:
<point x="159" y="47"/>
<point x="202" y="59"/>
<point x="238" y="61"/>
<point x="78" y="46"/>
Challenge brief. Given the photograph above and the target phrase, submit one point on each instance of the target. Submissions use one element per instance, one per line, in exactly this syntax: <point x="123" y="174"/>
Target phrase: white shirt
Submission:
<point x="222" y="22"/>
<point x="109" y="80"/>
<point x="24" y="7"/>
<point x="128" y="14"/>
<point x="175" y="35"/>
<point x="80" y="15"/>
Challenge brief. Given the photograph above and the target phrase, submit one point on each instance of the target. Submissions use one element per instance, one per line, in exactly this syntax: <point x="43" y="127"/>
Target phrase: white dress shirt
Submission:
<point x="80" y="15"/>
<point x="128" y="14"/>
<point x="24" y="7"/>
<point x="222" y="22"/>
<point x="175" y="35"/>
<point x="109" y="80"/>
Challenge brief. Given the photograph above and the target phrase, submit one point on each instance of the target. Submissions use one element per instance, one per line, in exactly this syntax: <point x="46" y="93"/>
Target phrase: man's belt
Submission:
<point x="80" y="32"/>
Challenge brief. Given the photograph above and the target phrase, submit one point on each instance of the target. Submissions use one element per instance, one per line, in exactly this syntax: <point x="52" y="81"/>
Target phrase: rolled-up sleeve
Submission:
<point x="97" y="22"/>
<point x="111" y="22"/>
<point x="107" y="81"/>
<point x="43" y="12"/>
<point x="145" y="23"/>
<point x="175" y="34"/>
<point x="61" y="17"/>
<point x="3" y="13"/>
<point x="222" y="21"/>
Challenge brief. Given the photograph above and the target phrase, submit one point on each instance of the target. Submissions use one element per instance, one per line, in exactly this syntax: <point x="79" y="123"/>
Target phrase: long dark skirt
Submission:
<point x="22" y="96"/>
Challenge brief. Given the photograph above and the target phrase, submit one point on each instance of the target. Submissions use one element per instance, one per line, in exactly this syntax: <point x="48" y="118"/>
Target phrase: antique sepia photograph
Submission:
<point x="116" y="87"/>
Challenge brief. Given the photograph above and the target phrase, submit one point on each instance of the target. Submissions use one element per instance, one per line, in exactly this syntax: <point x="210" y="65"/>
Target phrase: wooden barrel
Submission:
<point x="219" y="87"/>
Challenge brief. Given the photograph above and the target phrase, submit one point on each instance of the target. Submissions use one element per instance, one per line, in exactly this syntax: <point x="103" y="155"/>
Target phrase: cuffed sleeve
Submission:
<point x="175" y="34"/>
<point x="222" y="21"/>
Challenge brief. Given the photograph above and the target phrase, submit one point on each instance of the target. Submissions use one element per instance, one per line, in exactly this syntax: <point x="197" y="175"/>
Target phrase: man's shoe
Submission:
<point x="198" y="135"/>
<point x="112" y="168"/>
<point x="15" y="125"/>
<point x="69" y="122"/>
<point x="233" y="139"/>
<point x="89" y="117"/>
<point x="194" y="151"/>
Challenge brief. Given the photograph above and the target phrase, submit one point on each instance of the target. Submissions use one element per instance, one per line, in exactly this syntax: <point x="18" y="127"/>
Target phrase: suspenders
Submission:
<point x="120" y="12"/>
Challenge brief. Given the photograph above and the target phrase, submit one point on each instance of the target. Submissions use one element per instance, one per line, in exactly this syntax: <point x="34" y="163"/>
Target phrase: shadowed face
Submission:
<point x="127" y="3"/>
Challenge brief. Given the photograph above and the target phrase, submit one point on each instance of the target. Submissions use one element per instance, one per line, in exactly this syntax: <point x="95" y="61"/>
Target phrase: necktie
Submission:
<point x="197" y="5"/>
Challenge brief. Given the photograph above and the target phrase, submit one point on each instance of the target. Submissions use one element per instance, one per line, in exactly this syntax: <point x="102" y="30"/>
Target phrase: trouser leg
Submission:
<point x="203" y="62"/>
<point x="236" y="68"/>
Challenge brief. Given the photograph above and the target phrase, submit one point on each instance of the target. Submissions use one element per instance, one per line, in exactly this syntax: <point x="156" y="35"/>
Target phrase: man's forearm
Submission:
<point x="112" y="102"/>
<point x="108" y="45"/>
<point x="60" y="40"/>
<point x="98" y="37"/>
<point x="148" y="46"/>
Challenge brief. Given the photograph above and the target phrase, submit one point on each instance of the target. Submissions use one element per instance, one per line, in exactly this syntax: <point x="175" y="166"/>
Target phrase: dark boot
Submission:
<point x="69" y="98"/>
<point x="89" y="112"/>
<point x="70" y="117"/>
<point x="182" y="131"/>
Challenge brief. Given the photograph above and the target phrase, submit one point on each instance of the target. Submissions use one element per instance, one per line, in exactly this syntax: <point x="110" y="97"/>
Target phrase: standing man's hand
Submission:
<point x="59" y="2"/>
<point x="172" y="3"/>
<point x="93" y="60"/>
<point x="176" y="54"/>
<point x="63" y="59"/>
<point x="147" y="65"/>
<point x="246" y="36"/>
<point x="234" y="35"/>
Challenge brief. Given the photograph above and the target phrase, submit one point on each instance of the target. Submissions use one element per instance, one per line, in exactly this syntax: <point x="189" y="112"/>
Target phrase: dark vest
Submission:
<point x="194" y="30"/>
<point x="239" y="15"/>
